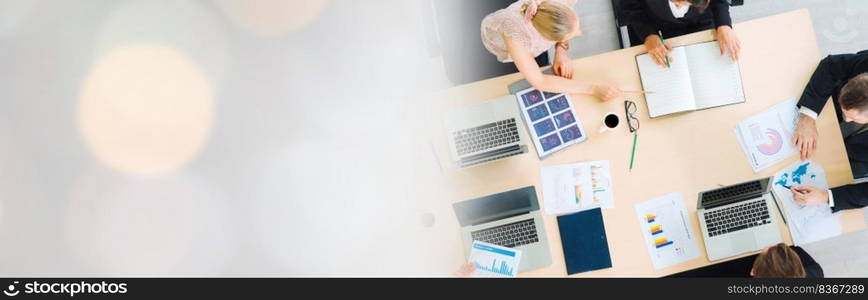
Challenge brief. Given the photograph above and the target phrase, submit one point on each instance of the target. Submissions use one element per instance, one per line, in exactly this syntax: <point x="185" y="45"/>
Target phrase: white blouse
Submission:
<point x="678" y="13"/>
<point x="510" y="22"/>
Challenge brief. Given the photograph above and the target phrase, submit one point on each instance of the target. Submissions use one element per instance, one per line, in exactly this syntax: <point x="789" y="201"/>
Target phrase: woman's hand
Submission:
<point x="808" y="195"/>
<point x="465" y="271"/>
<point x="806" y="136"/>
<point x="562" y="65"/>
<point x="728" y="41"/>
<point x="657" y="50"/>
<point x="606" y="92"/>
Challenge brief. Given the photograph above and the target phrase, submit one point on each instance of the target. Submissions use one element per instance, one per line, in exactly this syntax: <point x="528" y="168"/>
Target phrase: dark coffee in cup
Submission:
<point x="611" y="120"/>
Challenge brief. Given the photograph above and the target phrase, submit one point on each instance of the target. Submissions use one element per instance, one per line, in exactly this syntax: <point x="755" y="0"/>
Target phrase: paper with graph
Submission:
<point x="575" y="187"/>
<point x="494" y="261"/>
<point x="666" y="228"/>
<point x="809" y="223"/>
<point x="767" y="138"/>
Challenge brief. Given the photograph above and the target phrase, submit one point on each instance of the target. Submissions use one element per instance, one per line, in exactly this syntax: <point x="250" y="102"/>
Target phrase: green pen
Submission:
<point x="633" y="152"/>
<point x="660" y="35"/>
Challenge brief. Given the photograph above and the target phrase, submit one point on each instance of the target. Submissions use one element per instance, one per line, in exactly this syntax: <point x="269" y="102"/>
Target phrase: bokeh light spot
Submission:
<point x="272" y="17"/>
<point x="145" y="109"/>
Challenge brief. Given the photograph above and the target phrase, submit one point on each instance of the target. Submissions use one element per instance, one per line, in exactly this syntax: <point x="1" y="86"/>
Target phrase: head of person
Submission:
<point x="555" y="21"/>
<point x="854" y="99"/>
<point x="701" y="5"/>
<point x="778" y="261"/>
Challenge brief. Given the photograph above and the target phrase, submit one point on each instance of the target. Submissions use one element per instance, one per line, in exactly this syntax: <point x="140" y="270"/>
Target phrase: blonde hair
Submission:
<point x="553" y="20"/>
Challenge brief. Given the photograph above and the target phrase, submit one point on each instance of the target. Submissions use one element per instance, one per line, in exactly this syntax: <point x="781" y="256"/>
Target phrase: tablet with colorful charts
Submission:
<point x="551" y="120"/>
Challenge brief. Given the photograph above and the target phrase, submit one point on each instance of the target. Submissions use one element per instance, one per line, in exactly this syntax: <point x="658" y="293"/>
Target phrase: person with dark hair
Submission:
<point x="843" y="77"/>
<point x="782" y="261"/>
<point x="648" y="18"/>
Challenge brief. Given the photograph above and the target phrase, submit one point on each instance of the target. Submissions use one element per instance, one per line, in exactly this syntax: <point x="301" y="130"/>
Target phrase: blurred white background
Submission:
<point x="214" y="138"/>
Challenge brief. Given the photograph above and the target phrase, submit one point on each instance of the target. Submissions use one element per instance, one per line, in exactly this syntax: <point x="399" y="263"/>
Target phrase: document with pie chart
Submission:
<point x="767" y="137"/>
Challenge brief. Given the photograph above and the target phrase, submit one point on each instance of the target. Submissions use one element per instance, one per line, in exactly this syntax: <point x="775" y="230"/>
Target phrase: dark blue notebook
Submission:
<point x="583" y="237"/>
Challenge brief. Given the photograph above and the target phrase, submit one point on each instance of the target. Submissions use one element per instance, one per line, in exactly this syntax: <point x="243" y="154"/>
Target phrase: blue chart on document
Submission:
<point x="494" y="261"/>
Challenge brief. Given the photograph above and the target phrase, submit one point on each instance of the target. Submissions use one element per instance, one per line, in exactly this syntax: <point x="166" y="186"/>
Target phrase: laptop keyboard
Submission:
<point x="713" y="198"/>
<point x="486" y="136"/>
<point x="510" y="235"/>
<point x="737" y="217"/>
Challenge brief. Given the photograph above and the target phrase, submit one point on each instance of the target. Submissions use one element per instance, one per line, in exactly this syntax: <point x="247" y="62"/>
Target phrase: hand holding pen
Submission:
<point x="658" y="50"/>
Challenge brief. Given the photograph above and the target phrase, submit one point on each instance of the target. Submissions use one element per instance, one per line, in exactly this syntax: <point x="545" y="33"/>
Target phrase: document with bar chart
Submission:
<point x="666" y="228"/>
<point x="493" y="260"/>
<point x="576" y="187"/>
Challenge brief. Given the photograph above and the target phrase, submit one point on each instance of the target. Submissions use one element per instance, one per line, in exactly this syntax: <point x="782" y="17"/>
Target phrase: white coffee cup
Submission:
<point x="610" y="122"/>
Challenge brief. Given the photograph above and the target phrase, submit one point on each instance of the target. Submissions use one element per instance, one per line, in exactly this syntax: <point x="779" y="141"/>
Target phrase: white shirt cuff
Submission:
<point x="808" y="112"/>
<point x="831" y="198"/>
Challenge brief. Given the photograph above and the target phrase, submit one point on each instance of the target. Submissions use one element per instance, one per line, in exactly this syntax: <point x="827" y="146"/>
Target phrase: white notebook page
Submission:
<point x="716" y="79"/>
<point x="673" y="91"/>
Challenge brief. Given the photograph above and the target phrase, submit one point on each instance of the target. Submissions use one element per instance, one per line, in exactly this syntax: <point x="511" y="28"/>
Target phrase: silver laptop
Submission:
<point x="738" y="218"/>
<point x="509" y="219"/>
<point x="485" y="132"/>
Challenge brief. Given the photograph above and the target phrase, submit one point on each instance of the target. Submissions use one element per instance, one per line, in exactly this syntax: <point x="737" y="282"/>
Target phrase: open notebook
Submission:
<point x="698" y="78"/>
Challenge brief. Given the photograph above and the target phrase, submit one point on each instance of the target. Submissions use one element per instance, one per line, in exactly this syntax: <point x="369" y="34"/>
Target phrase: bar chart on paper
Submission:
<point x="667" y="232"/>
<point x="494" y="261"/>
<point x="501" y="269"/>
<point x="569" y="188"/>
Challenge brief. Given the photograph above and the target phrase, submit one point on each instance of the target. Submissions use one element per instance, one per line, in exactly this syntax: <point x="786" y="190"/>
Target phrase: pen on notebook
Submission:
<point x="633" y="152"/>
<point x="660" y="35"/>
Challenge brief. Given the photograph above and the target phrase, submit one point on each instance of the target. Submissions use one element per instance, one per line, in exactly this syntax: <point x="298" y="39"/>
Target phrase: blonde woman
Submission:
<point x="528" y="28"/>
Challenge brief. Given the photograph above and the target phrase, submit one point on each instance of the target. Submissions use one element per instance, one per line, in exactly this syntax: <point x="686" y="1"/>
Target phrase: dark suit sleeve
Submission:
<point x="850" y="196"/>
<point x="830" y="73"/>
<point x="720" y="9"/>
<point x="636" y="16"/>
<point x="812" y="268"/>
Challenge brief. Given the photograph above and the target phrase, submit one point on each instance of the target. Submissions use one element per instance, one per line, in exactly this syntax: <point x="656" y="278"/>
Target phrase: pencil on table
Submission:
<point x="638" y="92"/>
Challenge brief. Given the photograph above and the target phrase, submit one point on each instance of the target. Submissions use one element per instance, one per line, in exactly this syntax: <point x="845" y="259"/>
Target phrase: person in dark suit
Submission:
<point x="776" y="261"/>
<point x="782" y="261"/>
<point x="648" y="18"/>
<point x="844" y="77"/>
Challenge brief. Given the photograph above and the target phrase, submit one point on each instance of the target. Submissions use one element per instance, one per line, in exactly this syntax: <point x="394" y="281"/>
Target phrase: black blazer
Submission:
<point x="646" y="17"/>
<point x="850" y="196"/>
<point x="812" y="268"/>
<point x="740" y="267"/>
<point x="830" y="76"/>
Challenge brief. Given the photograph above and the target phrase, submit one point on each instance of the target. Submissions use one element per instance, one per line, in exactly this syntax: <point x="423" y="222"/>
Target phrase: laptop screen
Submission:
<point x="496" y="207"/>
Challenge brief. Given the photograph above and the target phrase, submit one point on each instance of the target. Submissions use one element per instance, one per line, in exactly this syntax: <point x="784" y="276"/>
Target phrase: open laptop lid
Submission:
<point x="733" y="193"/>
<point x="497" y="206"/>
